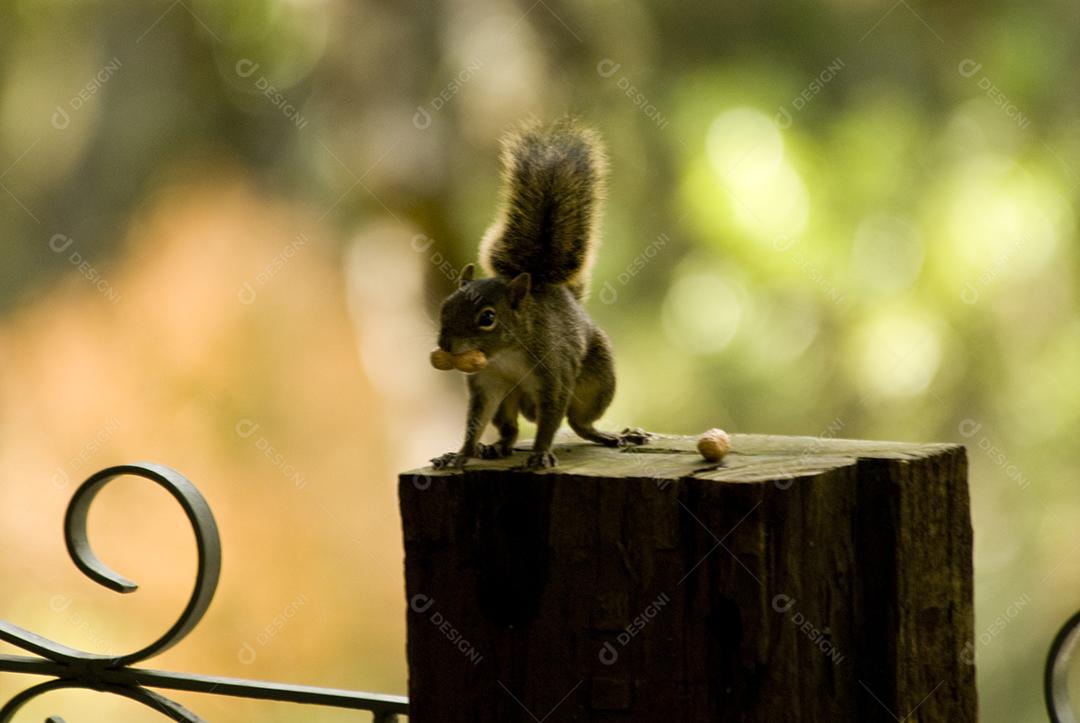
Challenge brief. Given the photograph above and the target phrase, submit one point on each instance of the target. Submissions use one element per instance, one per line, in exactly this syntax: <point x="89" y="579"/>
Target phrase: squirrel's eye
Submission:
<point x="485" y="320"/>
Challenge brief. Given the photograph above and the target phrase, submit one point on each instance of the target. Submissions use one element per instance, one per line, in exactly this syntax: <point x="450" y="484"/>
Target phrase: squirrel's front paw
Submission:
<point x="541" y="460"/>
<point x="450" y="460"/>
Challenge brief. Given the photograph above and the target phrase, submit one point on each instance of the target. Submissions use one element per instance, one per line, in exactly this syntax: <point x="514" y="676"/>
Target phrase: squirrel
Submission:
<point x="544" y="357"/>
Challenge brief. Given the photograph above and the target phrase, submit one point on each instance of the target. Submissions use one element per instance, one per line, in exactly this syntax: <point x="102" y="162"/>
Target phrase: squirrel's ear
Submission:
<point x="518" y="288"/>
<point x="467" y="273"/>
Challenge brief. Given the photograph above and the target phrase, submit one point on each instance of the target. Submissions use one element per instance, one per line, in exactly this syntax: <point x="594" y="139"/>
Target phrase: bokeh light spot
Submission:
<point x="745" y="147"/>
<point x="898" y="355"/>
<point x="1004" y="219"/>
<point x="767" y="198"/>
<point x="886" y="254"/>
<point x="701" y="312"/>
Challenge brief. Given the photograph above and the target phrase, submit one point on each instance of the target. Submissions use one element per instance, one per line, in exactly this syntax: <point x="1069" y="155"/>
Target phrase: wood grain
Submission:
<point x="802" y="579"/>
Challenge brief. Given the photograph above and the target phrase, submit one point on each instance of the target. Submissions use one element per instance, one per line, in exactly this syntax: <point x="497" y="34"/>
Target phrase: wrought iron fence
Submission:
<point x="72" y="668"/>
<point x="1056" y="675"/>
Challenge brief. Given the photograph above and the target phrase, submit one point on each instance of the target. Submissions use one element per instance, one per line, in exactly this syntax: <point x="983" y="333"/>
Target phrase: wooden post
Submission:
<point x="810" y="580"/>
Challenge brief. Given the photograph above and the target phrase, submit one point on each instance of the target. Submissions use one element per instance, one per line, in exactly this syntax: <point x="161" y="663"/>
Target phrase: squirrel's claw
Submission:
<point x="450" y="460"/>
<point x="541" y="460"/>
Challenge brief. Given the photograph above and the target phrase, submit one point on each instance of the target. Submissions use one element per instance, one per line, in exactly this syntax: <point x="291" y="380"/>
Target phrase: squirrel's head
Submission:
<point x="483" y="314"/>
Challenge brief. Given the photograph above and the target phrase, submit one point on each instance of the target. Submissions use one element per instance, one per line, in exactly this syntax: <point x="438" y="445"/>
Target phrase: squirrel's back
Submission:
<point x="549" y="221"/>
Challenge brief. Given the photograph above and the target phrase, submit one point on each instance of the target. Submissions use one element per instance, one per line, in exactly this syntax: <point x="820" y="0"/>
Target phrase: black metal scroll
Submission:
<point x="1056" y="675"/>
<point x="74" y="668"/>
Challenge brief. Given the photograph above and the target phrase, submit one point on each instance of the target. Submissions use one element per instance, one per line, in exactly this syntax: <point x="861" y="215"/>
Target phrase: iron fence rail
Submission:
<point x="73" y="668"/>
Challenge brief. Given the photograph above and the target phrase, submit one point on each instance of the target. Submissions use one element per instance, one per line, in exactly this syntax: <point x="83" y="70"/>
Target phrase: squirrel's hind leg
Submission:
<point x="591" y="433"/>
<point x="593" y="393"/>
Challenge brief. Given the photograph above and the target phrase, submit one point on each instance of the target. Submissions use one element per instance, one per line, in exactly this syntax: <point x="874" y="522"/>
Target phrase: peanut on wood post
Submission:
<point x="800" y="579"/>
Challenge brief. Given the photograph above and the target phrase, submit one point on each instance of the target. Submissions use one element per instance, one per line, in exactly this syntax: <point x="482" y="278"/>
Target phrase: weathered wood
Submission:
<point x="814" y="580"/>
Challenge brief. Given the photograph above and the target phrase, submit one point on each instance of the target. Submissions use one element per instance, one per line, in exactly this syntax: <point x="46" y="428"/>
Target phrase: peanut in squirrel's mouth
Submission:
<point x="468" y="362"/>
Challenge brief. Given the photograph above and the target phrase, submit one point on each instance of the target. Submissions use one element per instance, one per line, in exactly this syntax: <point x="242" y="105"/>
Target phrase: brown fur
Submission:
<point x="549" y="219"/>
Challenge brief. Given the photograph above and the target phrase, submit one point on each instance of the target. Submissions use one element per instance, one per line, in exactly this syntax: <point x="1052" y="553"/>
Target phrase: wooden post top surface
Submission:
<point x="753" y="458"/>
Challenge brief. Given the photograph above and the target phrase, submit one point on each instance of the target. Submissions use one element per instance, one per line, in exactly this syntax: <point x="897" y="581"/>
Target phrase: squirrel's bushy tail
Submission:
<point x="553" y="188"/>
